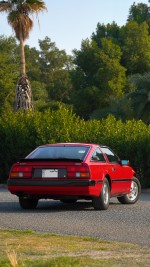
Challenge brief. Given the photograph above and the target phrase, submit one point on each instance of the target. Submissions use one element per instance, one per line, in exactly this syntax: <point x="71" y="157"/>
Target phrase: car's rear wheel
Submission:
<point x="134" y="194"/>
<point x="28" y="203"/>
<point x="102" y="202"/>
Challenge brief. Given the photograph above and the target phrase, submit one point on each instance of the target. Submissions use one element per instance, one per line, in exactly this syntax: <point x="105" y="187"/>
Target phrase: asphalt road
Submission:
<point x="126" y="223"/>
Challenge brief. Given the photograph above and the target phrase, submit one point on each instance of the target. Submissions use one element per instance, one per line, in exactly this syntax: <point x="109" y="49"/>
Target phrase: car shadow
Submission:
<point x="12" y="205"/>
<point x="49" y="206"/>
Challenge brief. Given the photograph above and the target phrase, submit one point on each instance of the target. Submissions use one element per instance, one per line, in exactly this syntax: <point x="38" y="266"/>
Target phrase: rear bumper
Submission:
<point x="55" y="187"/>
<point x="20" y="182"/>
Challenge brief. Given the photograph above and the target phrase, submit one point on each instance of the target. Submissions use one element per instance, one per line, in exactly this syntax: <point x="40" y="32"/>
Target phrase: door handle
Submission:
<point x="113" y="169"/>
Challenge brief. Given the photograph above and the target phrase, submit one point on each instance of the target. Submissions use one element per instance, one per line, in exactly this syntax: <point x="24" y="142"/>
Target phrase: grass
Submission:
<point x="32" y="249"/>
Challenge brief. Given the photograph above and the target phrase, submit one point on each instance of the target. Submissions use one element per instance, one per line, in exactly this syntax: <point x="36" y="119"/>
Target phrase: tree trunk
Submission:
<point x="23" y="97"/>
<point x="22" y="55"/>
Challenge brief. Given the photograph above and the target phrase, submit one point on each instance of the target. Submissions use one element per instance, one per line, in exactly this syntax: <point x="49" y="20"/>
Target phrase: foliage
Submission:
<point x="8" y="71"/>
<point x="102" y="67"/>
<point x="134" y="105"/>
<point x="141" y="97"/>
<point x="139" y="12"/>
<point x="55" y="68"/>
<point x="121" y="109"/>
<point x="135" y="43"/>
<point x="97" y="77"/>
<point x="21" y="134"/>
<point x="109" y="31"/>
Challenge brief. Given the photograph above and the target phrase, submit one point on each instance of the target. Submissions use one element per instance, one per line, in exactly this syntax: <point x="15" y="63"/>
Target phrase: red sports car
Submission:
<point x="72" y="171"/>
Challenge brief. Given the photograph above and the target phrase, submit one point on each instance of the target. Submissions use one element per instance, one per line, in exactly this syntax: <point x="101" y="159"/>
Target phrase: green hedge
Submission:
<point x="19" y="134"/>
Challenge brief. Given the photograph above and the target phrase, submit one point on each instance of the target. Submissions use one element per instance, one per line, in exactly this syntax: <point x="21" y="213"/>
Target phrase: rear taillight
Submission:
<point x="21" y="171"/>
<point x="78" y="171"/>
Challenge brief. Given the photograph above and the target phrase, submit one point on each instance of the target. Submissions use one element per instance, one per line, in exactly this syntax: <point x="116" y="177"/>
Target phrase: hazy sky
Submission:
<point x="68" y="22"/>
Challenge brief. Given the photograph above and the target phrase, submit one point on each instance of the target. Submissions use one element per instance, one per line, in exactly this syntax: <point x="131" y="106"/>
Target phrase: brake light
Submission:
<point x="78" y="171"/>
<point x="21" y="171"/>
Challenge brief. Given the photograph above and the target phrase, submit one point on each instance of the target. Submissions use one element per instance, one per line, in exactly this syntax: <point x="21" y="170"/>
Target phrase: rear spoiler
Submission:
<point x="46" y="159"/>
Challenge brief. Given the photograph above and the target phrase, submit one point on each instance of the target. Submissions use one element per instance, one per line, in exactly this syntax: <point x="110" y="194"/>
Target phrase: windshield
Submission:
<point x="59" y="152"/>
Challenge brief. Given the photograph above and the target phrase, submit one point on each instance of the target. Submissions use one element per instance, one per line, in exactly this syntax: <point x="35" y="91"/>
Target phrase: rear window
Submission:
<point x="60" y="152"/>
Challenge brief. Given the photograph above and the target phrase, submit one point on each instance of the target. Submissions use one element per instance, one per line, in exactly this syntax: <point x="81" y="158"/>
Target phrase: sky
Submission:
<point x="68" y="22"/>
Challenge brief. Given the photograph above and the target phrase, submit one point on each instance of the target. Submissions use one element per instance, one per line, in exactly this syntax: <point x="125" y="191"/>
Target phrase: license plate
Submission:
<point x="50" y="173"/>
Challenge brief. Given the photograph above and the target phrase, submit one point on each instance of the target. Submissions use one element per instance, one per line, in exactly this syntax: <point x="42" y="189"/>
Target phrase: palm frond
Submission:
<point x="34" y="6"/>
<point x="5" y="6"/>
<point x="20" y="22"/>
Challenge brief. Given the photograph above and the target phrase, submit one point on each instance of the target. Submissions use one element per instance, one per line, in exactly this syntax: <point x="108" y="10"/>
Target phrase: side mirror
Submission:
<point x="125" y="162"/>
<point x="95" y="158"/>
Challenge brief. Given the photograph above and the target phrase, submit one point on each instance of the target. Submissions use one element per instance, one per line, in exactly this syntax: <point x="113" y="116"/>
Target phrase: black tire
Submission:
<point x="134" y="194"/>
<point x="68" y="201"/>
<point x="28" y="203"/>
<point x="102" y="202"/>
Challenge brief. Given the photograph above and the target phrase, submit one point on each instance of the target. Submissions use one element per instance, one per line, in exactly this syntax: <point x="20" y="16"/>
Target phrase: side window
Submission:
<point x="98" y="155"/>
<point x="110" y="155"/>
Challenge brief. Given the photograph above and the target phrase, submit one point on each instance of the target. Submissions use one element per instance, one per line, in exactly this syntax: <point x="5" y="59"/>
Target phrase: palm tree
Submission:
<point x="19" y="12"/>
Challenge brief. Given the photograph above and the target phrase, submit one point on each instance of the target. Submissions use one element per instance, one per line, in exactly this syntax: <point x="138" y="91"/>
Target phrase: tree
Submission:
<point x="135" y="44"/>
<point x="140" y="13"/>
<point x="55" y="68"/>
<point x="98" y="76"/>
<point x="109" y="31"/>
<point x="19" y="12"/>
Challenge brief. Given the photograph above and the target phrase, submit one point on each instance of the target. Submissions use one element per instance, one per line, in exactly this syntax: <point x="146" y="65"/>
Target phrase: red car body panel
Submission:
<point x="25" y="176"/>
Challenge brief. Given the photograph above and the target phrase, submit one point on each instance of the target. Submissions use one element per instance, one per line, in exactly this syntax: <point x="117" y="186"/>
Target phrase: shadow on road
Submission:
<point x="49" y="206"/>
